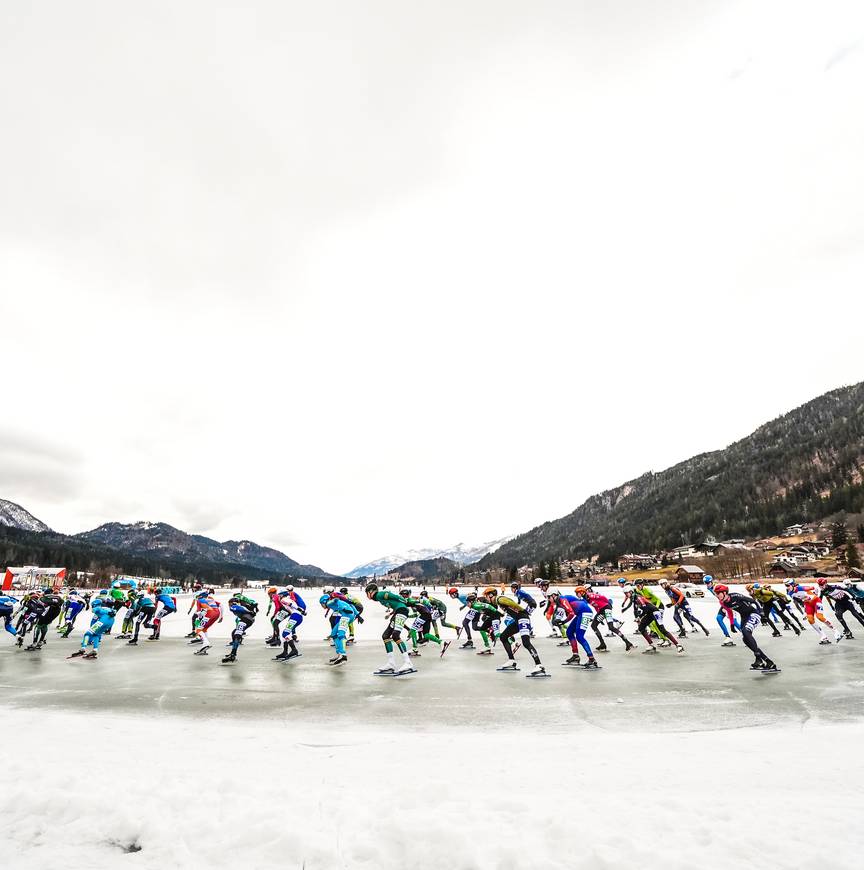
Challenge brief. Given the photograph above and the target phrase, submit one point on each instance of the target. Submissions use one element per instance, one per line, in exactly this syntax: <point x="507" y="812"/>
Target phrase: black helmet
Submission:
<point x="371" y="589"/>
<point x="405" y="593"/>
<point x="344" y="590"/>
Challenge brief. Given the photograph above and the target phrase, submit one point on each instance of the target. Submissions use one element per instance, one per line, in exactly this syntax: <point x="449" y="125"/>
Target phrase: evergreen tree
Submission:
<point x="853" y="560"/>
<point x="861" y="533"/>
<point x="839" y="534"/>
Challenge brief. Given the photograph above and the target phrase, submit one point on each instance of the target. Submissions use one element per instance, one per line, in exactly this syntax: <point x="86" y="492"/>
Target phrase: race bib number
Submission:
<point x="585" y="621"/>
<point x="399" y="621"/>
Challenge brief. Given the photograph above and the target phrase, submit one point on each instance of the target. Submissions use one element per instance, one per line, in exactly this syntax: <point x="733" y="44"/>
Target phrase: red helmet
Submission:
<point x="822" y="581"/>
<point x="452" y="591"/>
<point x="721" y="588"/>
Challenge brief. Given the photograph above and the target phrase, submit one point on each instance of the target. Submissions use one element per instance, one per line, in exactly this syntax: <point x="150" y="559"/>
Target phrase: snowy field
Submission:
<point x="672" y="760"/>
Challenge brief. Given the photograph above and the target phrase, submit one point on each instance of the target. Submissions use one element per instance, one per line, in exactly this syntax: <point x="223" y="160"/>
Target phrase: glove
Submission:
<point x="360" y="620"/>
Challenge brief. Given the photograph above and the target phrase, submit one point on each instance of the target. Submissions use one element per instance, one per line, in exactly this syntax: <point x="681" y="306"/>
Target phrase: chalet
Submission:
<point x="801" y="554"/>
<point x="639" y="562"/>
<point x="726" y="547"/>
<point x="791" y="531"/>
<point x="690" y="574"/>
<point x="788" y="569"/>
<point x="684" y="552"/>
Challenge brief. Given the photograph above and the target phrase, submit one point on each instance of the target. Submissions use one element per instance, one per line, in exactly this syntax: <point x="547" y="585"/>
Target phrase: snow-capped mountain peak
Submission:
<point x="461" y="553"/>
<point x="16" y="517"/>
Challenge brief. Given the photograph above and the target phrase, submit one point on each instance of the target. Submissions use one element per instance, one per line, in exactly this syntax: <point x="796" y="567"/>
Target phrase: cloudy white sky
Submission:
<point x="346" y="278"/>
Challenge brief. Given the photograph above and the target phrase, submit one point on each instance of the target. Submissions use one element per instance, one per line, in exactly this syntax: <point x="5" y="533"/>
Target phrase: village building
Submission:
<point x="33" y="577"/>
<point x="689" y="574"/>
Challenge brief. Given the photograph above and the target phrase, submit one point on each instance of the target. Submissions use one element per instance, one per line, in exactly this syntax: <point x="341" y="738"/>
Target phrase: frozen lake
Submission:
<point x="154" y="758"/>
<point x="710" y="687"/>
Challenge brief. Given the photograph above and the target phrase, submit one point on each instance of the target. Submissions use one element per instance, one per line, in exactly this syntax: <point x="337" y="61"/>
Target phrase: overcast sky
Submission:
<point x="347" y="278"/>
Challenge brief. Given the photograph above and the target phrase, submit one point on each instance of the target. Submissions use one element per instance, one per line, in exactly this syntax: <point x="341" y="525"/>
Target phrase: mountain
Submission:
<point x="803" y="466"/>
<point x="462" y="554"/>
<point x="147" y="537"/>
<point x="428" y="570"/>
<point x="14" y="516"/>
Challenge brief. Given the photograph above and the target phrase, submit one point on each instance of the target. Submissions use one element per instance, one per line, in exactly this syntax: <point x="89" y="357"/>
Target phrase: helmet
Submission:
<point x="405" y="593"/>
<point x="708" y="579"/>
<point x="665" y="583"/>
<point x="371" y="589"/>
<point x="202" y="594"/>
<point x="755" y="586"/>
<point x="822" y="581"/>
<point x="542" y="583"/>
<point x="721" y="588"/>
<point x="73" y="591"/>
<point x="639" y="582"/>
<point x="452" y="591"/>
<point x="579" y="590"/>
<point x="327" y="589"/>
<point x="621" y="581"/>
<point x="343" y="590"/>
<point x="514" y="585"/>
<point x="748" y="587"/>
<point x="490" y="590"/>
<point x="471" y="596"/>
<point x="424" y="593"/>
<point x="323" y="600"/>
<point x="271" y="590"/>
<point x="554" y="596"/>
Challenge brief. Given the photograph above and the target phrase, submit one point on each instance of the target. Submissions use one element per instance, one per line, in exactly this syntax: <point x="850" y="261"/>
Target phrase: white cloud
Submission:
<point x="392" y="277"/>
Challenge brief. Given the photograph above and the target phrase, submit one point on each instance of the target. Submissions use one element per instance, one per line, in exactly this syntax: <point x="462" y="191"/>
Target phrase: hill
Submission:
<point x="803" y="466"/>
<point x="428" y="570"/>
<point x="144" y="549"/>
<point x="145" y="538"/>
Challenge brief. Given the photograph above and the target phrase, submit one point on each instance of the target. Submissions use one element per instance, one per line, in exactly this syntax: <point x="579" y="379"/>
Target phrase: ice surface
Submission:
<point x="263" y="764"/>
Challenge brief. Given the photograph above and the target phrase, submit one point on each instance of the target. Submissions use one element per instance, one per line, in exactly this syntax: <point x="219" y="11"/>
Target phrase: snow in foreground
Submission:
<point x="78" y="790"/>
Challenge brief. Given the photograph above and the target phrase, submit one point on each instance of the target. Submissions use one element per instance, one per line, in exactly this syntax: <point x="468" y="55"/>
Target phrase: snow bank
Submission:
<point x="77" y="790"/>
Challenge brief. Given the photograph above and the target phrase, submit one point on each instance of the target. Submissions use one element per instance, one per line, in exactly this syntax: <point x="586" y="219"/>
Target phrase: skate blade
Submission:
<point x="536" y="676"/>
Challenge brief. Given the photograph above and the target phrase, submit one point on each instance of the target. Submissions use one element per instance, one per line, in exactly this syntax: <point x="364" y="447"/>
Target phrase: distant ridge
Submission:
<point x="806" y="465"/>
